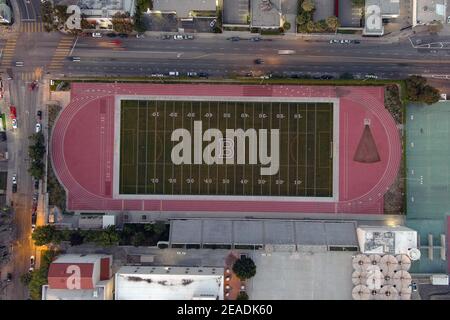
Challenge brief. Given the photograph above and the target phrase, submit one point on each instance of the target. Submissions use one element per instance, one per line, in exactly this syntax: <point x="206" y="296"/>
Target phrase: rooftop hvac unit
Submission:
<point x="414" y="254"/>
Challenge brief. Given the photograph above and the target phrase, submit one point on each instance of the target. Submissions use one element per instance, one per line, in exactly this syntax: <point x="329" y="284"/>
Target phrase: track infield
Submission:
<point x="305" y="148"/>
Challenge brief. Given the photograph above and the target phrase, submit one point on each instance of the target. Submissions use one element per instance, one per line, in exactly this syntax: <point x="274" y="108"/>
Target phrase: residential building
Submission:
<point x="80" y="277"/>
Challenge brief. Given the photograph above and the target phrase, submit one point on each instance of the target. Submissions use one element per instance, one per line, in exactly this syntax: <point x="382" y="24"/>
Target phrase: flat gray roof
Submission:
<point x="183" y="7"/>
<point x="262" y="232"/>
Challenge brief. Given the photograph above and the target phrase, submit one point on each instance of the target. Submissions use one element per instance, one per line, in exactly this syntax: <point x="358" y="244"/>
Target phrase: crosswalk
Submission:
<point x="30" y="27"/>
<point x="29" y="76"/>
<point x="62" y="51"/>
<point x="8" y="53"/>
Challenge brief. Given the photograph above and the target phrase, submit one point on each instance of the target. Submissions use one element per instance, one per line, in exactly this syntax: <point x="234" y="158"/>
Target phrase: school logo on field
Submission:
<point x="230" y="149"/>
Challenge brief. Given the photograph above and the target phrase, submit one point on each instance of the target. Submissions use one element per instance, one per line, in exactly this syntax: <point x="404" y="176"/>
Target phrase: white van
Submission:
<point x="286" y="51"/>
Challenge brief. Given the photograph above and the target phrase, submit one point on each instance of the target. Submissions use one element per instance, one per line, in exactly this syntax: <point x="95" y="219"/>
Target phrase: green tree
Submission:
<point x="311" y="26"/>
<point x="121" y="23"/>
<point x="44" y="235"/>
<point x="332" y="23"/>
<point x="138" y="239"/>
<point x="308" y="5"/>
<point x="244" y="268"/>
<point x="286" y="25"/>
<point x="38" y="279"/>
<point x="107" y="237"/>
<point x="418" y="90"/>
<point x="76" y="238"/>
<point x="242" y="296"/>
<point x="26" y="278"/>
<point x="36" y="169"/>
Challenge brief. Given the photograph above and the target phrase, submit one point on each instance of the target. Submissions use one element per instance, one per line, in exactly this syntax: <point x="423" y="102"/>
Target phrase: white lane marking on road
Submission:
<point x="73" y="47"/>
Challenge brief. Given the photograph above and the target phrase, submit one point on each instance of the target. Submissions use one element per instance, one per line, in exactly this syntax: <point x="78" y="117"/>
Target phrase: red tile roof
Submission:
<point x="59" y="273"/>
<point x="105" y="273"/>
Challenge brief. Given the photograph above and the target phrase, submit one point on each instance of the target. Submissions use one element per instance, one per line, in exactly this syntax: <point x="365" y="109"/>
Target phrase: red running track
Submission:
<point x="82" y="146"/>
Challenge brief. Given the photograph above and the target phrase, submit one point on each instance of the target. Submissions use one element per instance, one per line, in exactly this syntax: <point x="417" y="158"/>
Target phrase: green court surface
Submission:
<point x="306" y="134"/>
<point x="428" y="177"/>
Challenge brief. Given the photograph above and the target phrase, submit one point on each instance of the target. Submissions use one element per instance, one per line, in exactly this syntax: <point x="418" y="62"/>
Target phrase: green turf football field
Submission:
<point x="306" y="133"/>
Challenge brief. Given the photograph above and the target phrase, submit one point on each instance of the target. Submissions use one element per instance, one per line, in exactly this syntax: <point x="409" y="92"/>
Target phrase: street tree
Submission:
<point x="121" y="23"/>
<point x="308" y="5"/>
<point x="44" y="235"/>
<point x="332" y="23"/>
<point x="244" y="268"/>
<point x="418" y="90"/>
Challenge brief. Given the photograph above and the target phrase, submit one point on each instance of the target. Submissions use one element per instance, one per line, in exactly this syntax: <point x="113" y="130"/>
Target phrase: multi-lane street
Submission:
<point x="222" y="57"/>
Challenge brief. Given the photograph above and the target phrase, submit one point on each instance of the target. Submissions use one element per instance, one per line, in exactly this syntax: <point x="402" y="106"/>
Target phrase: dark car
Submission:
<point x="111" y="35"/>
<point x="14" y="188"/>
<point x="2" y="136"/>
<point x="9" y="277"/>
<point x="33" y="218"/>
<point x="203" y="74"/>
<point x="36" y="184"/>
<point x="326" y="77"/>
<point x="258" y="61"/>
<point x="256" y="39"/>
<point x="123" y="35"/>
<point x="39" y="114"/>
<point x="356" y="41"/>
<point x="235" y="38"/>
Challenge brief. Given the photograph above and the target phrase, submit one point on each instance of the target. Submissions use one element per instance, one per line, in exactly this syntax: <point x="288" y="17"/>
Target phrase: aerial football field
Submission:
<point x="305" y="149"/>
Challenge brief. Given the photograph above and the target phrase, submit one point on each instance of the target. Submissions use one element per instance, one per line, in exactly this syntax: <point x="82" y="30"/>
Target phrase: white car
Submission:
<point x="334" y="41"/>
<point x="177" y="37"/>
<point x="448" y="19"/>
<point x="213" y="23"/>
<point x="174" y="73"/>
<point x="14" y="179"/>
<point x="33" y="227"/>
<point x="38" y="127"/>
<point x="14" y="123"/>
<point x="370" y="76"/>
<point x="32" y="263"/>
<point x="96" y="35"/>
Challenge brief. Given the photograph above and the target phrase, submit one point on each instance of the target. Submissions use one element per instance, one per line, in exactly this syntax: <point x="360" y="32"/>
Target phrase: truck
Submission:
<point x="439" y="279"/>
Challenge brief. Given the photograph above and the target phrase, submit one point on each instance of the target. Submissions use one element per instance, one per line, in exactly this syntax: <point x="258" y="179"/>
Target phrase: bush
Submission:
<point x="242" y="296"/>
<point x="244" y="268"/>
<point x="286" y="25"/>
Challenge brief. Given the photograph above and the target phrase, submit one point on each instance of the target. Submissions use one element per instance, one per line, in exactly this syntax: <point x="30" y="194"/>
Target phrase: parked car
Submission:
<point x="213" y="23"/>
<point x="13" y="112"/>
<point x="334" y="41"/>
<point x="111" y="35"/>
<point x="96" y="35"/>
<point x="413" y="286"/>
<point x="188" y="37"/>
<point x="203" y="74"/>
<point x="14" y="188"/>
<point x="14" y="123"/>
<point x="177" y="37"/>
<point x="32" y="264"/>
<point x="326" y="77"/>
<point x="235" y="38"/>
<point x="356" y="41"/>
<point x="370" y="76"/>
<point x="123" y="35"/>
<point x="39" y="114"/>
<point x="36" y="184"/>
<point x="258" y="61"/>
<point x="256" y="39"/>
<point x="14" y="179"/>
<point x="140" y="36"/>
<point x="38" y="127"/>
<point x="192" y="74"/>
<point x="8" y="277"/>
<point x="174" y="73"/>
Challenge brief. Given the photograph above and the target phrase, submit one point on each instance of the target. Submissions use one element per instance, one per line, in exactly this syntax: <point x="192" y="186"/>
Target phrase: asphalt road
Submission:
<point x="221" y="57"/>
<point x="29" y="10"/>
<point x="25" y="101"/>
